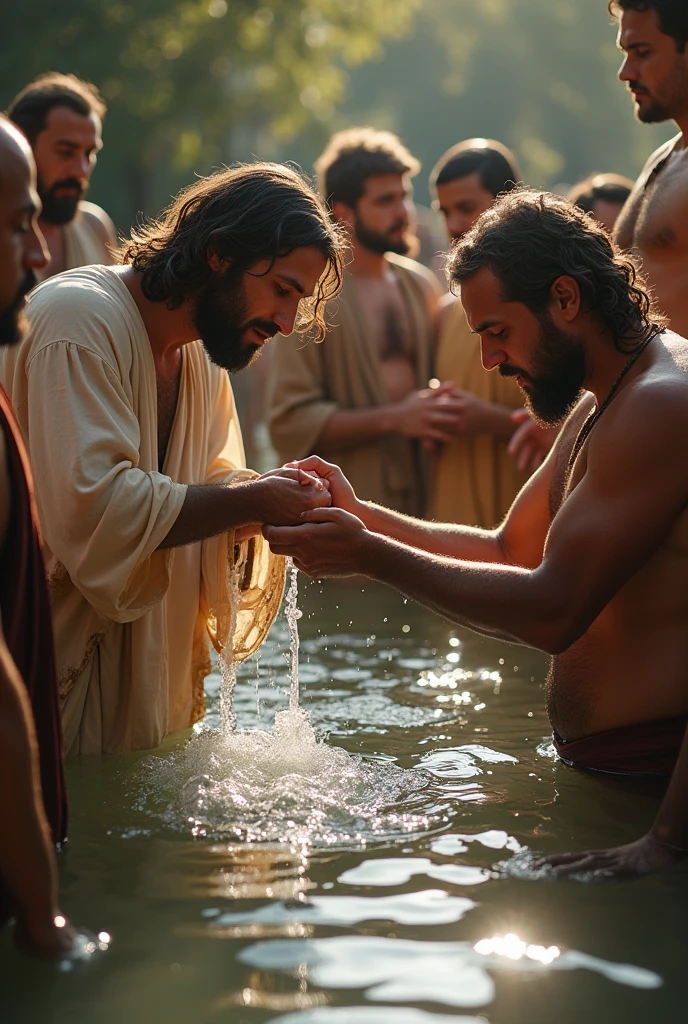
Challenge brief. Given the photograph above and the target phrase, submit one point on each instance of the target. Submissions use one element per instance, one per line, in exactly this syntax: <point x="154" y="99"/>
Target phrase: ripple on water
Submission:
<point x="287" y="786"/>
<point x="456" y="974"/>
<point x="372" y="1015"/>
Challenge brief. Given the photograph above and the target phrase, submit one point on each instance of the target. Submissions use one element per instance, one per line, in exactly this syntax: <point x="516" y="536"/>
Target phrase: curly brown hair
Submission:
<point x="528" y="239"/>
<point x="247" y="213"/>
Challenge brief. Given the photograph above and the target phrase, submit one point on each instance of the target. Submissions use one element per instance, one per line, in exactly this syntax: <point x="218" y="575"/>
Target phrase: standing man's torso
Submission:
<point x="387" y="316"/>
<point x="654" y="222"/>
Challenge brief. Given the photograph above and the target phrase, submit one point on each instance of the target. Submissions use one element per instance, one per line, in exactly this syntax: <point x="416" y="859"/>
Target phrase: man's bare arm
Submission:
<point x="635" y="484"/>
<point x="211" y="509"/>
<point x="27" y="858"/>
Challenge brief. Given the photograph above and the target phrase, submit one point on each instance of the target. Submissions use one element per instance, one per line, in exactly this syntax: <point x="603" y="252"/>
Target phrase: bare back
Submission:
<point x="631" y="664"/>
<point x="654" y="222"/>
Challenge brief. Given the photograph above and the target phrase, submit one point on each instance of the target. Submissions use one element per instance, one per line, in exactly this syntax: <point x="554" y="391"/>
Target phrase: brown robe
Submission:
<point x="26" y="623"/>
<point x="309" y="382"/>
<point x="473" y="480"/>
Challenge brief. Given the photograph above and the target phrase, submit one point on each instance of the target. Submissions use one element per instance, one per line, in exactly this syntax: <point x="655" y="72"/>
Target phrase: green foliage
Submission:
<point x="183" y="78"/>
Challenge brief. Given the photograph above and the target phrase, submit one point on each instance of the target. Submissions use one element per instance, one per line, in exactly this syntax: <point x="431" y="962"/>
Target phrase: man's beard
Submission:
<point x="59" y="210"/>
<point x="674" y="88"/>
<point x="556" y="381"/>
<point x="382" y="243"/>
<point x="13" y="323"/>
<point x="220" y="319"/>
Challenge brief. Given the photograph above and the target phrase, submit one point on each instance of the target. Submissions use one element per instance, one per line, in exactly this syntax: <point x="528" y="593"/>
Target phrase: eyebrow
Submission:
<point x="631" y="46"/>
<point x="97" y="144"/>
<point x="485" y="324"/>
<point x="296" y="285"/>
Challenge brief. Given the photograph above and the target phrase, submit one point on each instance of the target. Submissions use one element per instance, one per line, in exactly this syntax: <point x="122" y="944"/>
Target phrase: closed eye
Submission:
<point x="282" y="292"/>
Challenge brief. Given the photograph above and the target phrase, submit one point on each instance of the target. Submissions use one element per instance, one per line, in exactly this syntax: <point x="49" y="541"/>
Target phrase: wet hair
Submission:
<point x="672" y="16"/>
<point x="495" y="165"/>
<point x="30" y="108"/>
<point x="246" y="214"/>
<point x="529" y="239"/>
<point x="356" y="154"/>
<point x="610" y="188"/>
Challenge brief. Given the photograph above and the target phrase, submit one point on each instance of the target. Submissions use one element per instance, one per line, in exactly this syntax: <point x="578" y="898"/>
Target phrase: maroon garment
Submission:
<point x="27" y="624"/>
<point x="649" y="748"/>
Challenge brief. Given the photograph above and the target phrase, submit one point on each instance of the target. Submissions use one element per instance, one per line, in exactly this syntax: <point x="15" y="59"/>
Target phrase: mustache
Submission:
<point x="637" y="87"/>
<point x="507" y="370"/>
<point x="72" y="183"/>
<point x="401" y="225"/>
<point x="268" y="327"/>
<point x="27" y="284"/>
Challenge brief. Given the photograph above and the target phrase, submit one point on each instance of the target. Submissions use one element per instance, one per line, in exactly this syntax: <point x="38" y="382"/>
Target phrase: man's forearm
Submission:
<point x="27" y="859"/>
<point x="503" y="601"/>
<point x="347" y="428"/>
<point x="449" y="539"/>
<point x="211" y="509"/>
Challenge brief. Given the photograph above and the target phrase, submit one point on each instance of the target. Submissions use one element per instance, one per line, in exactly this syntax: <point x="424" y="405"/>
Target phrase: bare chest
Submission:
<point x="658" y="218"/>
<point x="168" y="383"/>
<point x="387" y="318"/>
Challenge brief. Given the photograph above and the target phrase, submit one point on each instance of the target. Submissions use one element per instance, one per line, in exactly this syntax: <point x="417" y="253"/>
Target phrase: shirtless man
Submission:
<point x="591" y="561"/>
<point x="28" y="872"/>
<point x="62" y="117"/>
<point x="363" y="397"/>
<point x="654" y="222"/>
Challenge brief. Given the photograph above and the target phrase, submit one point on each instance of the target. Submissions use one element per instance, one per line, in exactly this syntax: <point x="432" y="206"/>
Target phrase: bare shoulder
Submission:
<point x="99" y="220"/>
<point x="655" y="159"/>
<point x="445" y="307"/>
<point x="5" y="493"/>
<point x="425" y="278"/>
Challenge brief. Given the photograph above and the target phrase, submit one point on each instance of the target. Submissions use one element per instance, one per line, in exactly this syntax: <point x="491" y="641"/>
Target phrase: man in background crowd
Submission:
<point x="474" y="477"/>
<point x="362" y="398"/>
<point x="602" y="195"/>
<point x="653" y="35"/>
<point x="62" y="117"/>
<point x="33" y="806"/>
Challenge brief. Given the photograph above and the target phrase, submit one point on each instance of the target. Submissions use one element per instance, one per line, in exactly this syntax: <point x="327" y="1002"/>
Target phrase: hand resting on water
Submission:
<point x="642" y="857"/>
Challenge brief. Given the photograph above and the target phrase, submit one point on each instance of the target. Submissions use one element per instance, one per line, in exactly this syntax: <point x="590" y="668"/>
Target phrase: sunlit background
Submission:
<point x="194" y="83"/>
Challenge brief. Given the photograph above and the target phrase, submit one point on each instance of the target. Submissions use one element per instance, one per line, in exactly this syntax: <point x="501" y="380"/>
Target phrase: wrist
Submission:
<point x="390" y="419"/>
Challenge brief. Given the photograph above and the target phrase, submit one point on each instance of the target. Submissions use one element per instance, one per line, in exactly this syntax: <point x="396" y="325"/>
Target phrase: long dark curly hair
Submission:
<point x="247" y="213"/>
<point x="528" y="239"/>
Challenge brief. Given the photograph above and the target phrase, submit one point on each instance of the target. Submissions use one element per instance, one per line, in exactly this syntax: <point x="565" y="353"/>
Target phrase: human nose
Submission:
<point x="285" y="319"/>
<point x="626" y="72"/>
<point x="36" y="252"/>
<point x="491" y="355"/>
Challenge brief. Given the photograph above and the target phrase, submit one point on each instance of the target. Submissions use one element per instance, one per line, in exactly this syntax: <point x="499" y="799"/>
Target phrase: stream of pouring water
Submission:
<point x="293" y="615"/>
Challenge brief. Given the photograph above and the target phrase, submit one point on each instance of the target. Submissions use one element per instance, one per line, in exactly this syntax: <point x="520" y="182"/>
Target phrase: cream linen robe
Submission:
<point x="309" y="382"/>
<point x="474" y="480"/>
<point x="131" y="621"/>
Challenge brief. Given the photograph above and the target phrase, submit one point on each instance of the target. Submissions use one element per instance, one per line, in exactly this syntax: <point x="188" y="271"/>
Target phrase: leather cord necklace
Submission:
<point x="592" y="419"/>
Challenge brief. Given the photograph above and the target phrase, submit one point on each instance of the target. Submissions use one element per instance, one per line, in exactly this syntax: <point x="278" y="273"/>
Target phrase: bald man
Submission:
<point x="32" y="795"/>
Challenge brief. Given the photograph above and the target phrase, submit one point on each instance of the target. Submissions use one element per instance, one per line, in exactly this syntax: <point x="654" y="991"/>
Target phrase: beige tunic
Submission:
<point x="474" y="480"/>
<point x="131" y="621"/>
<point x="83" y="244"/>
<point x="309" y="382"/>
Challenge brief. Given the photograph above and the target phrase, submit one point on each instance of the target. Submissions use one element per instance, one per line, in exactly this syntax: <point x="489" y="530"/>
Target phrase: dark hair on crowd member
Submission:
<point x="245" y="214"/>
<point x="608" y="188"/>
<point x="356" y="154"/>
<point x="493" y="162"/>
<point x="30" y="108"/>
<point x="672" y="16"/>
<point x="529" y="239"/>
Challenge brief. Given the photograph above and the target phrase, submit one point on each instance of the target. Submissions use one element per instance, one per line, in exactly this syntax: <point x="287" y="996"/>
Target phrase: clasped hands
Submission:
<point x="324" y="538"/>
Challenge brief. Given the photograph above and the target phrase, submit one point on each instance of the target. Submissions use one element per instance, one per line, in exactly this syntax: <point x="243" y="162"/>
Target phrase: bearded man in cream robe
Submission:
<point x="132" y="432"/>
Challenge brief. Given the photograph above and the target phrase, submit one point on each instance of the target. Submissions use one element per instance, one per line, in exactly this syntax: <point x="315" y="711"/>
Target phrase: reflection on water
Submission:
<point x="456" y="974"/>
<point x="421" y="919"/>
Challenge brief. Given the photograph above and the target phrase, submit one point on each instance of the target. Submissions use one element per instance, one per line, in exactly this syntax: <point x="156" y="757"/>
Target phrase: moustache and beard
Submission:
<point x="13" y="324"/>
<point x="382" y="243"/>
<point x="220" y="319"/>
<point x="556" y="381"/>
<point x="672" y="96"/>
<point x="61" y="209"/>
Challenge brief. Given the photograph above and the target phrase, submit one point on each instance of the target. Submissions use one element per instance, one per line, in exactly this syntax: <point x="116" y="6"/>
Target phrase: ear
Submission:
<point x="345" y="214"/>
<point x="216" y="262"/>
<point x="566" y="297"/>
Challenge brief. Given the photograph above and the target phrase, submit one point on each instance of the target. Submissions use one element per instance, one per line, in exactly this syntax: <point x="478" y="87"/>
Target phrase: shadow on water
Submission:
<point x="269" y="880"/>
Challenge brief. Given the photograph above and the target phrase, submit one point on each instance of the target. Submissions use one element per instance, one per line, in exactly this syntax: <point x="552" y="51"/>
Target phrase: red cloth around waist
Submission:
<point x="649" y="748"/>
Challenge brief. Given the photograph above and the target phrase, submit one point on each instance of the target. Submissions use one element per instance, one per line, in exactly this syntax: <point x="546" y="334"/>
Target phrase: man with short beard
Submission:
<point x="147" y="512"/>
<point x="62" y="117"/>
<point x="590" y="564"/>
<point x="33" y="807"/>
<point x="362" y="398"/>
<point x="654" y="35"/>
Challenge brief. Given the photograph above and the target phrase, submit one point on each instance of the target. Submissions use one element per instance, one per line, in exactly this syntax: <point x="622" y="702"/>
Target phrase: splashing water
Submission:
<point x="283" y="785"/>
<point x="293" y="615"/>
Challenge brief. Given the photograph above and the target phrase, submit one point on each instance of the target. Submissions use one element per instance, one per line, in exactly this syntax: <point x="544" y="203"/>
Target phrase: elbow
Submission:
<point x="556" y="634"/>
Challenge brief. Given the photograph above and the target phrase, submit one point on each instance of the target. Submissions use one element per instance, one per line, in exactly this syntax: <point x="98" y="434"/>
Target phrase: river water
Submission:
<point x="365" y="863"/>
